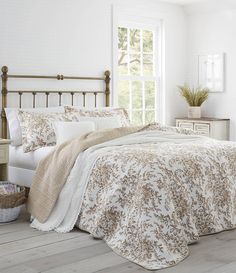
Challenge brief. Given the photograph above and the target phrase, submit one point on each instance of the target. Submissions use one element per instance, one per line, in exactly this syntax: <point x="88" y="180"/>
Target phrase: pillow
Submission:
<point x="102" y="123"/>
<point x="121" y="113"/>
<point x="14" y="123"/>
<point x="37" y="129"/>
<point x="68" y="130"/>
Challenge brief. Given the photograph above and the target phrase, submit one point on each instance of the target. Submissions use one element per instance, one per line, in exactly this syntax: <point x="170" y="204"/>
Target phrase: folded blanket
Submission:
<point x="53" y="171"/>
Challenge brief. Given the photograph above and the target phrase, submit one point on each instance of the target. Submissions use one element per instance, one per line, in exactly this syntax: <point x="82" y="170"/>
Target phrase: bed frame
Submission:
<point x="5" y="76"/>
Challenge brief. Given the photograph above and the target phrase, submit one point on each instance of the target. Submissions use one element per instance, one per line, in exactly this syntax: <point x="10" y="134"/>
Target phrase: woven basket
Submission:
<point x="10" y="205"/>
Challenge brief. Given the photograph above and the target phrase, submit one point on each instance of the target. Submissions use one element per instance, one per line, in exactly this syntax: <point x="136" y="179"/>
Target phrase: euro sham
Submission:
<point x="14" y="123"/>
<point x="37" y="129"/>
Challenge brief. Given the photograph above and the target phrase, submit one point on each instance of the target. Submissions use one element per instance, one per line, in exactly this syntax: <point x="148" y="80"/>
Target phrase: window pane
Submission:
<point x="136" y="61"/>
<point x="147" y="41"/>
<point x="123" y="63"/>
<point x="137" y="117"/>
<point x="123" y="94"/>
<point x="135" y="40"/>
<point x="137" y="100"/>
<point x="123" y="41"/>
<point x="149" y="88"/>
<point x="149" y="117"/>
<point x="147" y="64"/>
<point x="135" y="64"/>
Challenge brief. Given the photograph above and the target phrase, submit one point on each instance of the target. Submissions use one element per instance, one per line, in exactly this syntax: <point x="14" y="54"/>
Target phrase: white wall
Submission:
<point x="75" y="37"/>
<point x="212" y="28"/>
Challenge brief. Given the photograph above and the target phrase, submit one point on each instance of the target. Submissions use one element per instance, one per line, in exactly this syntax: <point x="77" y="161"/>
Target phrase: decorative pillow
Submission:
<point x="37" y="129"/>
<point x="14" y="123"/>
<point x="68" y="130"/>
<point x="121" y="113"/>
<point x="102" y="123"/>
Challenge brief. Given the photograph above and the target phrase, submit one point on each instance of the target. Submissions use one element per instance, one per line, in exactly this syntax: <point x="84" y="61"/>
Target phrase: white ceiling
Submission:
<point x="193" y="6"/>
<point x="183" y="2"/>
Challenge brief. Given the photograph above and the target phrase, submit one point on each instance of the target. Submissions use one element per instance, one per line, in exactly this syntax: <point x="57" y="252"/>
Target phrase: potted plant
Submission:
<point x="195" y="98"/>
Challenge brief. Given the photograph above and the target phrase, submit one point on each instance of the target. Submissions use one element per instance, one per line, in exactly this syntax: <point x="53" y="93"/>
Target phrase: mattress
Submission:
<point x="30" y="160"/>
<point x="22" y="165"/>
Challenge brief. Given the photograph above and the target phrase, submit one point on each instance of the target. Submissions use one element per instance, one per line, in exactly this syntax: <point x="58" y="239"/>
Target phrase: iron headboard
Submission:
<point x="5" y="76"/>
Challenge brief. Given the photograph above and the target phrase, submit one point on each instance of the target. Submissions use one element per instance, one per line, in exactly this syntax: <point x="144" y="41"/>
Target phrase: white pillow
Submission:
<point x="68" y="130"/>
<point x="14" y="123"/>
<point x="103" y="123"/>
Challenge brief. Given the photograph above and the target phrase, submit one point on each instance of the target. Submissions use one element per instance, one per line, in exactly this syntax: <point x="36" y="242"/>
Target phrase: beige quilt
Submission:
<point x="53" y="171"/>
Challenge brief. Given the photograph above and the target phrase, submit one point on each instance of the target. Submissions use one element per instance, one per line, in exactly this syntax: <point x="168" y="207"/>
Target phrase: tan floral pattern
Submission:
<point x="149" y="201"/>
<point x="75" y="113"/>
<point x="165" y="128"/>
<point x="37" y="129"/>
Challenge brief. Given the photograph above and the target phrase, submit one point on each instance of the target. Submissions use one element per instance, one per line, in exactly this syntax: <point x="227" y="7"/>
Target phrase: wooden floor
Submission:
<point x="25" y="250"/>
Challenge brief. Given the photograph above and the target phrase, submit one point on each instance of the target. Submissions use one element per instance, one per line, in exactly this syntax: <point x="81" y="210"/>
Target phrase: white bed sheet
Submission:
<point x="22" y="165"/>
<point x="29" y="160"/>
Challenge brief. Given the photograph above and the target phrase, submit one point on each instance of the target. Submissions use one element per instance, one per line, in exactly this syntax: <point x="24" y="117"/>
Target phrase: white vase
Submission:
<point x="194" y="112"/>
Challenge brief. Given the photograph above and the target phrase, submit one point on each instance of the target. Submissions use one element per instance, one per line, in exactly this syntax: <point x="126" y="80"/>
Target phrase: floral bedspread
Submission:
<point x="149" y="201"/>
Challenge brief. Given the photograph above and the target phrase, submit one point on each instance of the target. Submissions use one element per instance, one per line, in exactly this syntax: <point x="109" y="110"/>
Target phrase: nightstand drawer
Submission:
<point x="201" y="128"/>
<point x="202" y="133"/>
<point x="211" y="127"/>
<point x="4" y="154"/>
<point x="185" y="125"/>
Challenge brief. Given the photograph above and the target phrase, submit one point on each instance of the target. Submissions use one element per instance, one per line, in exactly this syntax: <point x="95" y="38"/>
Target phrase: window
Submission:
<point x="137" y="76"/>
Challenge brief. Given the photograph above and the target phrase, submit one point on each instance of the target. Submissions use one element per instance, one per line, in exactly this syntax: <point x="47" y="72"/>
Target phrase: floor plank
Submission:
<point x="20" y="269"/>
<point x="28" y="243"/>
<point x="124" y="268"/>
<point x="13" y="226"/>
<point x="23" y="249"/>
<point x="18" y="235"/>
<point x="229" y="268"/>
<point x="46" y="251"/>
<point x="92" y="264"/>
<point x="65" y="259"/>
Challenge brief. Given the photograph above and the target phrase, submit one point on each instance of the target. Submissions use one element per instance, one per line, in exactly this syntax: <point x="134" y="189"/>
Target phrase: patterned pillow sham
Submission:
<point x="75" y="112"/>
<point x="37" y="129"/>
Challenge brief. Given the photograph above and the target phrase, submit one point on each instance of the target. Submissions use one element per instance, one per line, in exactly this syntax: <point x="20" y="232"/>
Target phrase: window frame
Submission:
<point x="157" y="65"/>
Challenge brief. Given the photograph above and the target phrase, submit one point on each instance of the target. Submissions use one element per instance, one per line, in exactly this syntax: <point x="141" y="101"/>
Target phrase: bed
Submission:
<point x="147" y="191"/>
<point x="22" y="165"/>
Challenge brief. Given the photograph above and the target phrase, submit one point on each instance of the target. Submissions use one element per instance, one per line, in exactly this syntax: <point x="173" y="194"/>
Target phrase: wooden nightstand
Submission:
<point x="211" y="127"/>
<point x="4" y="158"/>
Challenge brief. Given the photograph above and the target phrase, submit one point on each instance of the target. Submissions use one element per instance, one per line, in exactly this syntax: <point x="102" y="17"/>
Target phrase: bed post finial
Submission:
<point x="4" y="69"/>
<point x="107" y="90"/>
<point x="4" y="101"/>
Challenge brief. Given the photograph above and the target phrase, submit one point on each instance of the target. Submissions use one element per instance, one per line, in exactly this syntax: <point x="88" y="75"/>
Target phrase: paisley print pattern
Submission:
<point x="37" y="129"/>
<point x="149" y="201"/>
<point x="75" y="113"/>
